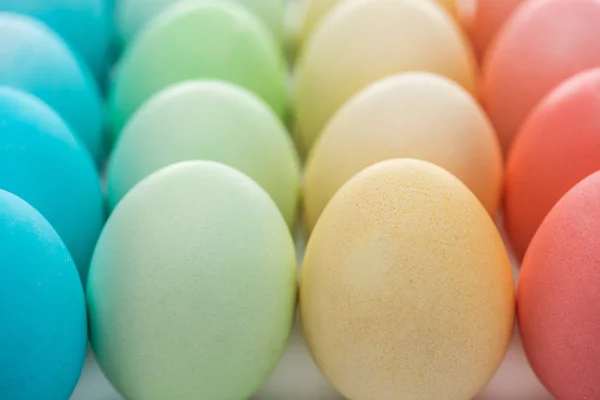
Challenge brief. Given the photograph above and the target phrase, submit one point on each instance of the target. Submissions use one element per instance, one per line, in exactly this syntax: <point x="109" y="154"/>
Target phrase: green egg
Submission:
<point x="192" y="288"/>
<point x="195" y="40"/>
<point x="208" y="120"/>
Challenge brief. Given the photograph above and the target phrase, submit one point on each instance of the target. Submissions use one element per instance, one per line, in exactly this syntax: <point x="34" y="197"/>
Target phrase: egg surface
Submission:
<point x="392" y="119"/>
<point x="557" y="147"/>
<point x="208" y="120"/>
<point x="42" y="308"/>
<point x="41" y="162"/>
<point x="543" y="44"/>
<point x="214" y="40"/>
<point x="361" y="41"/>
<point x="84" y="25"/>
<point x="197" y="264"/>
<point x="38" y="61"/>
<point x="134" y="15"/>
<point x="558" y="297"/>
<point x="406" y="288"/>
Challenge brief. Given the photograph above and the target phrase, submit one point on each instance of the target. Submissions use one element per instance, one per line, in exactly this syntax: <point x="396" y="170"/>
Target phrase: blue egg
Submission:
<point x="42" y="162"/>
<point x="43" y="331"/>
<point x="33" y="58"/>
<point x="84" y="24"/>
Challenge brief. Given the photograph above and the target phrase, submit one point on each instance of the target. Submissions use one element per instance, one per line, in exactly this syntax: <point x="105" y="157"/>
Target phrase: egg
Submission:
<point x="208" y="120"/>
<point x="392" y="118"/>
<point x="557" y="147"/>
<point x="197" y="264"/>
<point x="134" y="15"/>
<point x="316" y="9"/>
<point x="361" y="41"/>
<point x="543" y="44"/>
<point x="558" y="295"/>
<point x="41" y="162"/>
<point x="42" y="307"/>
<point x="36" y="60"/>
<point x="406" y="289"/>
<point x="84" y="25"/>
<point x="194" y="40"/>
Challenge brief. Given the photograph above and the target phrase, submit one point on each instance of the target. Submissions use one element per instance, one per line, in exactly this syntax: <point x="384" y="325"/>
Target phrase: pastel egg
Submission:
<point x="195" y="40"/>
<point x="208" y="120"/>
<point x="316" y="9"/>
<point x="558" y="295"/>
<point x="41" y="162"/>
<point x="557" y="147"/>
<point x="36" y="60"/>
<point x="84" y="25"/>
<point x="406" y="289"/>
<point x="361" y="41"/>
<point x="134" y="15"/>
<point x="392" y="119"/>
<point x="197" y="264"/>
<point x="543" y="44"/>
<point x="42" y="307"/>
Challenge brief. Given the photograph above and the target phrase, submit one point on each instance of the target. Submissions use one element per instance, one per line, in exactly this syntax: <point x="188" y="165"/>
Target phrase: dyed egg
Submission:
<point x="392" y="119"/>
<point x="41" y="162"/>
<point x="544" y="43"/>
<point x="133" y="15"/>
<point x="42" y="307"/>
<point x="406" y="288"/>
<point x="558" y="295"/>
<point x="208" y="120"/>
<point x="316" y="9"/>
<point x="194" y="40"/>
<point x="361" y="41"/>
<point x="84" y="25"/>
<point x="197" y="264"/>
<point x="36" y="60"/>
<point x="557" y="147"/>
<point x="488" y="19"/>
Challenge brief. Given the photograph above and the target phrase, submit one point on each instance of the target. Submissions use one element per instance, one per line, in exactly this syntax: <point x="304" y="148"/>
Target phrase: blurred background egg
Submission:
<point x="208" y="120"/>
<point x="42" y="307"/>
<point x="392" y="118"/>
<point x="33" y="58"/>
<point x="406" y="288"/>
<point x="134" y="15"/>
<point x="83" y="24"/>
<point x="197" y="264"/>
<point x="42" y="162"/>
<point x="558" y="298"/>
<point x="194" y="40"/>
<point x="361" y="41"/>
<point x="557" y="147"/>
<point x="542" y="44"/>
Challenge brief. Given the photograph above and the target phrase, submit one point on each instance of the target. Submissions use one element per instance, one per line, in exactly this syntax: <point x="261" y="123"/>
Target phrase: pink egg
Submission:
<point x="543" y="43"/>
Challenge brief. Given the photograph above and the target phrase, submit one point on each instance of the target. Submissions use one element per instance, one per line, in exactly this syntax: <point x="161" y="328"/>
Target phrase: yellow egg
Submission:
<point x="361" y="41"/>
<point x="411" y="115"/>
<point x="406" y="290"/>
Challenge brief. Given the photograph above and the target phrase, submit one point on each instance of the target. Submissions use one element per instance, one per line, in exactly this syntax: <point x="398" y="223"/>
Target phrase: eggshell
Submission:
<point x="134" y="15"/>
<point x="558" y="295"/>
<point x="392" y="118"/>
<point x="361" y="41"/>
<point x="42" y="307"/>
<point x="193" y="40"/>
<point x="557" y="147"/>
<point x="208" y="120"/>
<point x="36" y="60"/>
<point x="316" y="9"/>
<point x="406" y="288"/>
<point x="543" y="44"/>
<point x="192" y="288"/>
<point x="83" y="24"/>
<point x="41" y="162"/>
